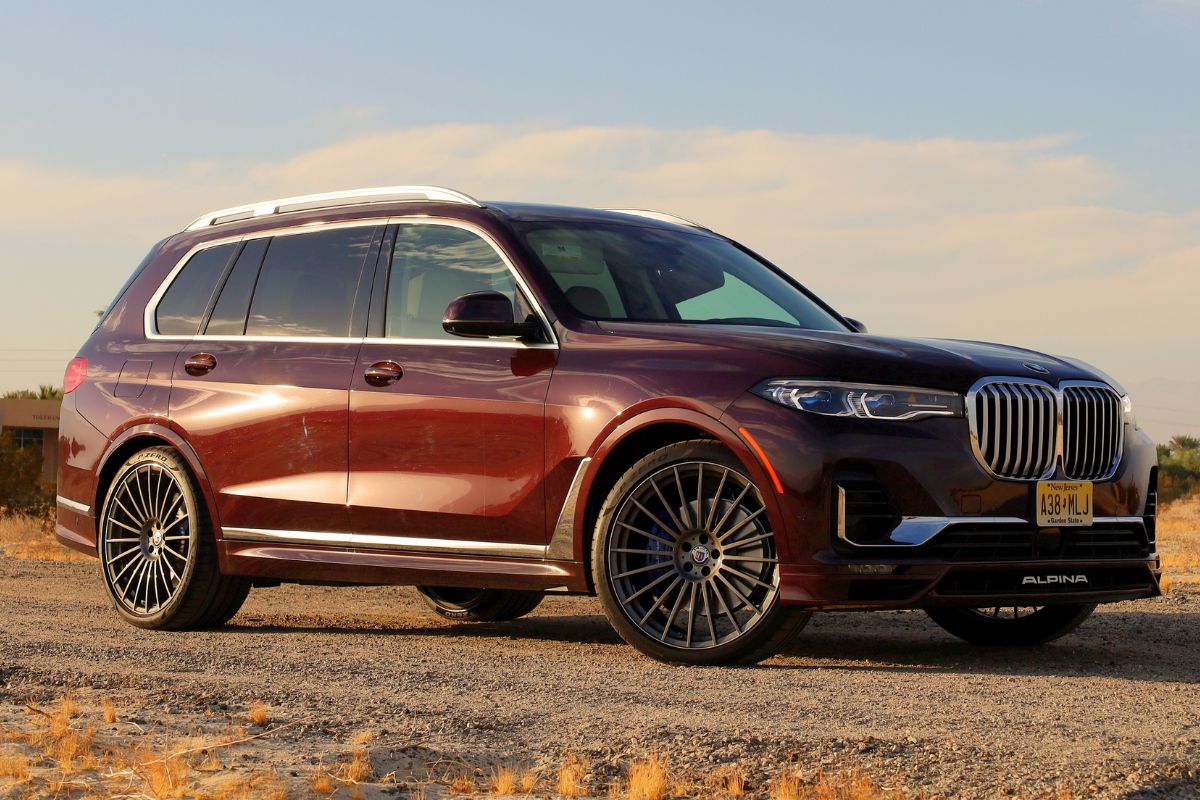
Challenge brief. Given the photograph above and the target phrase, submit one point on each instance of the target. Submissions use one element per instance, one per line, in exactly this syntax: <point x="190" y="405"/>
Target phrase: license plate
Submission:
<point x="1063" y="504"/>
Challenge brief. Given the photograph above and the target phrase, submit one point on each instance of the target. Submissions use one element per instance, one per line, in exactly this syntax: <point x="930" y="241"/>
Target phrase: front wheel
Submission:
<point x="685" y="561"/>
<point x="1012" y="626"/>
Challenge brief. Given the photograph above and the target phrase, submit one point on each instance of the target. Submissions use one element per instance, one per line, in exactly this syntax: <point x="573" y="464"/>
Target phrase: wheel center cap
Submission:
<point x="156" y="538"/>
<point x="700" y="554"/>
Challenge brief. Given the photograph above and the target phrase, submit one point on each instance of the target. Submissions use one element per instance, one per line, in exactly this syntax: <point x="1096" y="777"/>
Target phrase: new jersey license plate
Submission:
<point x="1063" y="504"/>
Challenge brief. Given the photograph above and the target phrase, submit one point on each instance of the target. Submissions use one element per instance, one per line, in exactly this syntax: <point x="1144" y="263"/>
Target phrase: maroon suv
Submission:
<point x="495" y="401"/>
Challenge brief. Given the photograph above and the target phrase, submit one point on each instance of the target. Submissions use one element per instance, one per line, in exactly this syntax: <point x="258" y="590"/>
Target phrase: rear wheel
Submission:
<point x="685" y="561"/>
<point x="1012" y="625"/>
<point x="156" y="548"/>
<point x="478" y="605"/>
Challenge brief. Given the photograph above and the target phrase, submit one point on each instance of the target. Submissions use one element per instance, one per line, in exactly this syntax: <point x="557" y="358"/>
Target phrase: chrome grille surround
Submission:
<point x="1022" y="429"/>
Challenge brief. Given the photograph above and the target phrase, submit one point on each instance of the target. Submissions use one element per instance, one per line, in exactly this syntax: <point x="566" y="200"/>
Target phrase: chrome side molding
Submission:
<point x="414" y="544"/>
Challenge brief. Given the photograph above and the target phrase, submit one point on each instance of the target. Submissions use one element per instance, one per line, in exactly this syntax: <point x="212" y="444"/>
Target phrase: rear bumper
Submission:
<point x="879" y="584"/>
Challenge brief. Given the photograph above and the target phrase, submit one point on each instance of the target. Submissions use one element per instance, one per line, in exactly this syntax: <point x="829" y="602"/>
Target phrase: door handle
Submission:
<point x="383" y="373"/>
<point x="200" y="364"/>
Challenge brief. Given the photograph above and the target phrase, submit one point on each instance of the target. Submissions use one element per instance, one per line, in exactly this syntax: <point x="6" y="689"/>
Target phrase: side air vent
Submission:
<point x="863" y="512"/>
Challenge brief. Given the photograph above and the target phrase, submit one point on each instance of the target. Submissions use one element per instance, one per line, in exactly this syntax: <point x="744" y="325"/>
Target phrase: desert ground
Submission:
<point x="318" y="691"/>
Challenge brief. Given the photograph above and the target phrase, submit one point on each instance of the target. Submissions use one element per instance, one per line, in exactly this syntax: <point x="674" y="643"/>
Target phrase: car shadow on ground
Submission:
<point x="1140" y="646"/>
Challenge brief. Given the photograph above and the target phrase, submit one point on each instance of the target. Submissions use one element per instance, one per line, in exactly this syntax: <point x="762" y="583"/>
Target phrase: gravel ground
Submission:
<point x="1111" y="711"/>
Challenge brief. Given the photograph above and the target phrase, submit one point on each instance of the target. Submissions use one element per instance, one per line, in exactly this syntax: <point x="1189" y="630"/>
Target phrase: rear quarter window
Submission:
<point x="183" y="305"/>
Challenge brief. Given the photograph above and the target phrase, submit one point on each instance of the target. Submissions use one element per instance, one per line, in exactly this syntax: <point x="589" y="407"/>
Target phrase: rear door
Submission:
<point x="450" y="455"/>
<point x="261" y="393"/>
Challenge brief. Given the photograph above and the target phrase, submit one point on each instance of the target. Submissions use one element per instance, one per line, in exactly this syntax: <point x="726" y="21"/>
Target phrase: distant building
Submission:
<point x="34" y="423"/>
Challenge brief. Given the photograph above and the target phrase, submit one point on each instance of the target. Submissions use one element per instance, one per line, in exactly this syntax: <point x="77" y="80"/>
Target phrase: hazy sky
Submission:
<point x="1026" y="172"/>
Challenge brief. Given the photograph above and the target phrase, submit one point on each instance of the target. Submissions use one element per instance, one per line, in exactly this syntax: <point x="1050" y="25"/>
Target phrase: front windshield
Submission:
<point x="611" y="271"/>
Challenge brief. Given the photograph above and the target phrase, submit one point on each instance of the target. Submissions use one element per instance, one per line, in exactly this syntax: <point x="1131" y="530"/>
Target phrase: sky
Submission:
<point x="1020" y="172"/>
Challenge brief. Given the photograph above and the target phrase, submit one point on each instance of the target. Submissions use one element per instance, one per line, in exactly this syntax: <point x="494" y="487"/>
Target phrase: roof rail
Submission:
<point x="661" y="216"/>
<point x="309" y="202"/>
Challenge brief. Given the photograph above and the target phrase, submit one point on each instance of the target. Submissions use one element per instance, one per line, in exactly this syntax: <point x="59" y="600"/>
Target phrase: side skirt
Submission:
<point x="342" y="564"/>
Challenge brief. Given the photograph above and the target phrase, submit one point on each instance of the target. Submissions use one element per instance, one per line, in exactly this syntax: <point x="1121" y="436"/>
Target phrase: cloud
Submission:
<point x="1023" y="240"/>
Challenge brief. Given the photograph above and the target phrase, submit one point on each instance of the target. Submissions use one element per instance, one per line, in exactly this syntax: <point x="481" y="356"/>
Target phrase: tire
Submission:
<point x="157" y="552"/>
<point x="479" y="605"/>
<point x="654" y="544"/>
<point x="1012" y="626"/>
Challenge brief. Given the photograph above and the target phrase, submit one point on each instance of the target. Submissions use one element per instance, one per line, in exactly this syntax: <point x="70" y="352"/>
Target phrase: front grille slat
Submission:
<point x="1017" y="422"/>
<point x="1093" y="431"/>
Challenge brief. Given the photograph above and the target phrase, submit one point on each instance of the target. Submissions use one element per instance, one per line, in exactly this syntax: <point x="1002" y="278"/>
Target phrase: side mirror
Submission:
<point x="858" y="326"/>
<point x="480" y="314"/>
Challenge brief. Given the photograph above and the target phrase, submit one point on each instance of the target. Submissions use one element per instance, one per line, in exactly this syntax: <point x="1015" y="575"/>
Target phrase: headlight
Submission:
<point x="1127" y="411"/>
<point x="864" y="401"/>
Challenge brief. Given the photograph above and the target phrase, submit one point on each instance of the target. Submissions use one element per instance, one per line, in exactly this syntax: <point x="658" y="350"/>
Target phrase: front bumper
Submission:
<point x="989" y="584"/>
<point x="958" y="536"/>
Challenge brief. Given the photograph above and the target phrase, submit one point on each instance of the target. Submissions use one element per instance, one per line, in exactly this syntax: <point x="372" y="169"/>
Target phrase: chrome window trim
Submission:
<point x="1057" y="464"/>
<point x="522" y="285"/>
<point x="149" y="327"/>
<point x="415" y="544"/>
<point x="67" y="503"/>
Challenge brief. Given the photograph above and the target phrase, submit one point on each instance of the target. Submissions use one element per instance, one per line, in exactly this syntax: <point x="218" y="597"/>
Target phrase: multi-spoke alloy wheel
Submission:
<point x="1012" y="625"/>
<point x="156" y="549"/>
<point x="689" y="563"/>
<point x="147" y="539"/>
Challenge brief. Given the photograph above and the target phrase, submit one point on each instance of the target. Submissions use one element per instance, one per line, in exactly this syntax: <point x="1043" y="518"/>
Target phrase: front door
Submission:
<point x="447" y="438"/>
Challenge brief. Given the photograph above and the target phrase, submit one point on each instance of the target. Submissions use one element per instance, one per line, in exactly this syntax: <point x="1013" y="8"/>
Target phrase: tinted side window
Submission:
<point x="229" y="315"/>
<point x="183" y="306"/>
<point x="308" y="282"/>
<point x="432" y="265"/>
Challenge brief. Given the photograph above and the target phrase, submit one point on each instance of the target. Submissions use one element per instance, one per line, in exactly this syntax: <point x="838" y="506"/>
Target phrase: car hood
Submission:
<point x="935" y="363"/>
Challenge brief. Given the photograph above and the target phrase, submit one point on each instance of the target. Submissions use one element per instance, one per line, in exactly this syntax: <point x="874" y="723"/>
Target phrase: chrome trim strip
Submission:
<point x="313" y="202"/>
<point x="660" y="216"/>
<point x="377" y="542"/>
<point x="148" y="316"/>
<point x="422" y="544"/>
<point x="916" y="531"/>
<point x="504" y="344"/>
<point x="284" y="537"/>
<point x="562" y="541"/>
<point x="1057" y="462"/>
<point x="72" y="505"/>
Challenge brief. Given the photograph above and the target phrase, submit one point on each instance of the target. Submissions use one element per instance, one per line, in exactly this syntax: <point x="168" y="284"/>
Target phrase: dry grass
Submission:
<point x="786" y="786"/>
<point x="58" y="752"/>
<point x="1179" y="541"/>
<point x="648" y="778"/>
<point x="730" y="781"/>
<point x="572" y="775"/>
<point x="529" y="781"/>
<point x="258" y="714"/>
<point x="503" y="780"/>
<point x="321" y="782"/>
<point x="15" y="767"/>
<point x="32" y="538"/>
<point x="462" y="783"/>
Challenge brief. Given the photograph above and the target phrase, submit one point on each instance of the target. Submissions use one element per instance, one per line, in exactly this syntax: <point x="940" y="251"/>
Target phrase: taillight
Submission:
<point x="76" y="375"/>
